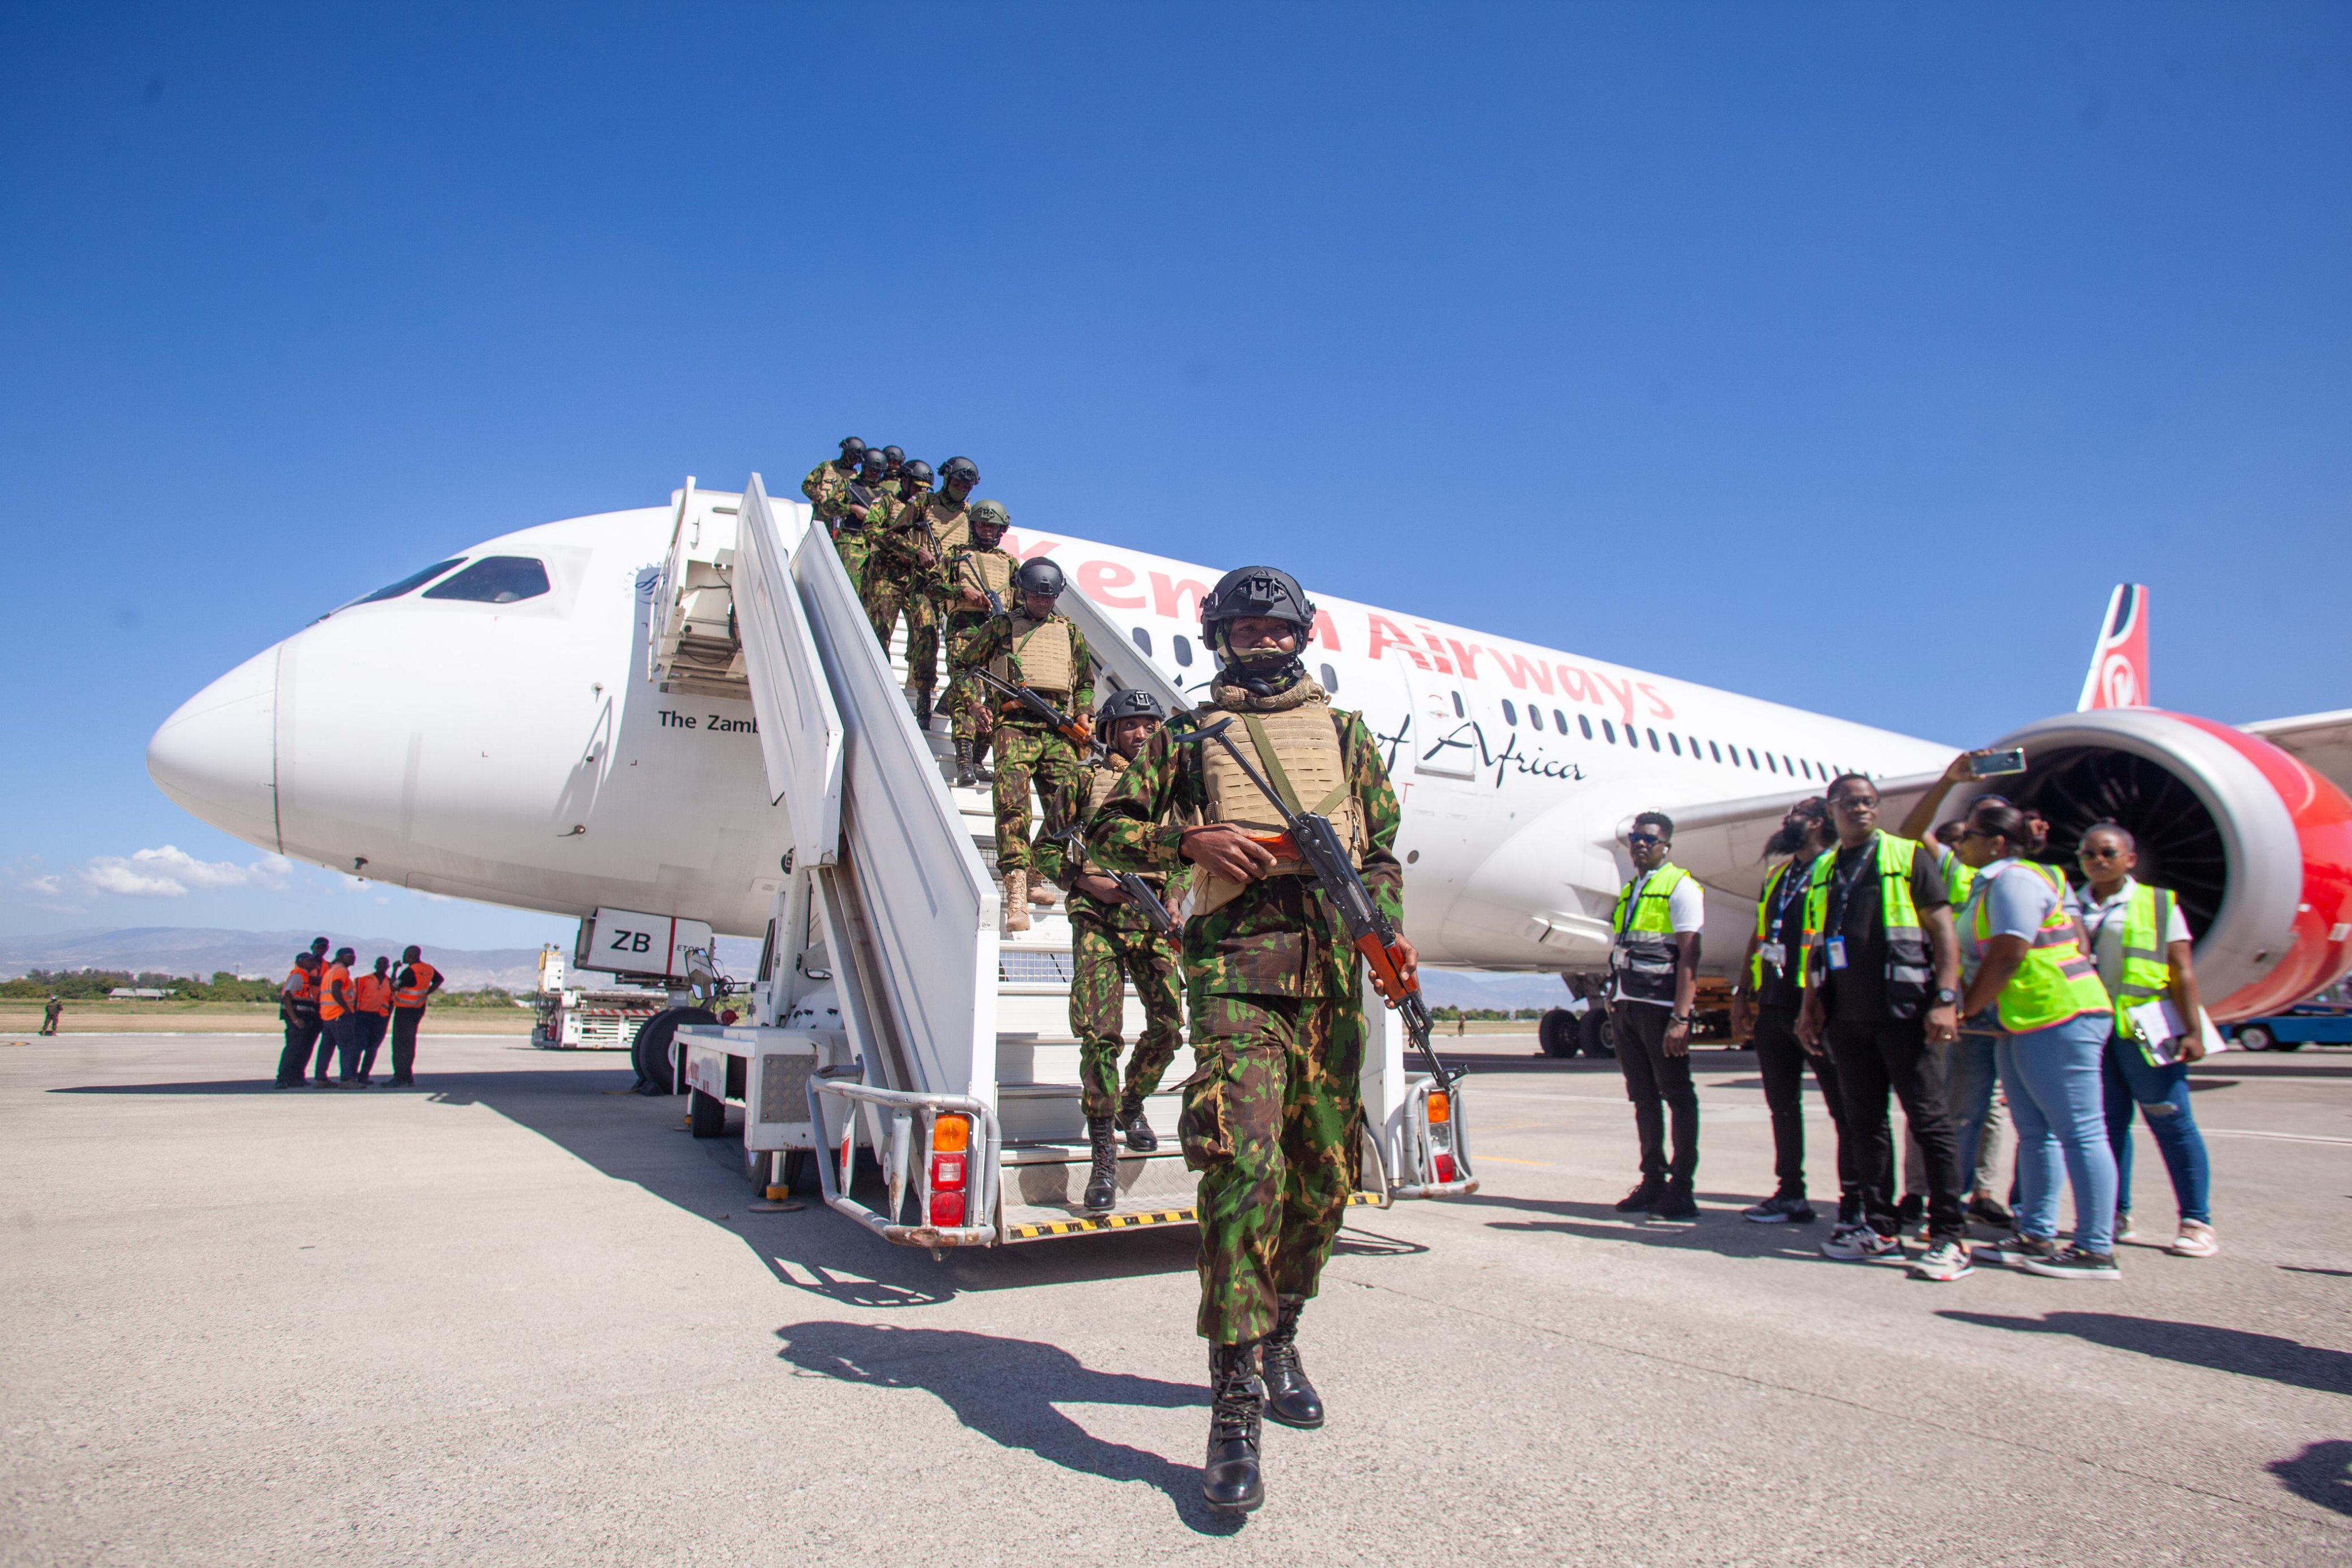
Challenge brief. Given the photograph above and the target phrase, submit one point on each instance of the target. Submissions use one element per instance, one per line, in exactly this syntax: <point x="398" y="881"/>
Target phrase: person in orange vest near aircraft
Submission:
<point x="411" y="987"/>
<point x="297" y="1003"/>
<point x="335" y="1013"/>
<point x="371" y="1011"/>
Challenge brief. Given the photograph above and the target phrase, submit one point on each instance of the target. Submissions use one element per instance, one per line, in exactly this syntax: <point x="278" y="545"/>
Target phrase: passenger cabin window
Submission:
<point x="1715" y="751"/>
<point x="1584" y="723"/>
<point x="1535" y="715"/>
<point x="1653" y="741"/>
<point x="1675" y="741"/>
<point x="413" y="581"/>
<point x="1183" y="646"/>
<point x="495" y="579"/>
<point x="1751" y="758"/>
<point x="1511" y="714"/>
<point x="1771" y="764"/>
<point x="1142" y="640"/>
<point x="1330" y="677"/>
<point x="1608" y="729"/>
<point x="1559" y="722"/>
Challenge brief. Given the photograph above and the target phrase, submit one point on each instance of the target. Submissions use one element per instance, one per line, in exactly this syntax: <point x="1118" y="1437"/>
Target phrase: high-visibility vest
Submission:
<point x="371" y="993"/>
<point x="1766" y="937"/>
<point x="1910" y="967"/>
<point x="2058" y="982"/>
<point x="301" y="986"/>
<point x="2147" y="965"/>
<point x="1642" y="949"/>
<point x="330" y="1009"/>
<point x="1959" y="876"/>
<point x="421" y="976"/>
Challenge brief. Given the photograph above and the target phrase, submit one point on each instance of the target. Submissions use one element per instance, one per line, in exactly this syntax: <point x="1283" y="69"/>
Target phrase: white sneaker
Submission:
<point x="1858" y="1244"/>
<point x="1944" y="1262"/>
<point x="2124" y="1232"/>
<point x="2195" y="1240"/>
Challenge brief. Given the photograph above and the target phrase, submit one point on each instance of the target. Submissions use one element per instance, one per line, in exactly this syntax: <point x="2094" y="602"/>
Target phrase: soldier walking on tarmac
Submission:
<point x="827" y="479"/>
<point x="1271" y="1116"/>
<point x="975" y="575"/>
<point x="1035" y="647"/>
<point x="1113" y="940"/>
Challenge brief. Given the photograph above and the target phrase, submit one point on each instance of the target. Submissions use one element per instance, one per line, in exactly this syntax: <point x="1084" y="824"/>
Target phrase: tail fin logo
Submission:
<point x="2119" y="673"/>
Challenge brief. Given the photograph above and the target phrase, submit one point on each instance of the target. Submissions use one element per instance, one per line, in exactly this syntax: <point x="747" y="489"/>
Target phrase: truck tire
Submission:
<point x="650" y="1053"/>
<point x="2254" y="1037"/>
<point x="1556" y="1032"/>
<point x="705" y="1113"/>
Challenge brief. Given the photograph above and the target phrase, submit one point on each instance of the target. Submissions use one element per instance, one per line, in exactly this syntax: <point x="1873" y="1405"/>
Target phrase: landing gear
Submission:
<point x="650" y="1055"/>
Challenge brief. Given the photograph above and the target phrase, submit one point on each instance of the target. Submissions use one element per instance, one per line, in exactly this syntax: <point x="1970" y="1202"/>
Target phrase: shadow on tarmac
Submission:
<point x="1008" y="1391"/>
<point x="2234" y="1351"/>
<point x="1716" y="1230"/>
<point x="2322" y="1473"/>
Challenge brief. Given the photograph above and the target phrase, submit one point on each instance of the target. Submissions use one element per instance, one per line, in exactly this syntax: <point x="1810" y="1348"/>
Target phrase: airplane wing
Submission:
<point x="1723" y="844"/>
<point x="2322" y="741"/>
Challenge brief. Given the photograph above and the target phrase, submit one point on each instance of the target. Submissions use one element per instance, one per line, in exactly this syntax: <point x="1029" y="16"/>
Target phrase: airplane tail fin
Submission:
<point x="2118" y="673"/>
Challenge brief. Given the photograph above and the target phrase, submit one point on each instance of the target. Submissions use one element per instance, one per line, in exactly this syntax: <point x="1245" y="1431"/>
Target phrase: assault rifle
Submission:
<point x="1311" y="837"/>
<point x="1139" y="893"/>
<point x="1068" y="728"/>
<point x="962" y="559"/>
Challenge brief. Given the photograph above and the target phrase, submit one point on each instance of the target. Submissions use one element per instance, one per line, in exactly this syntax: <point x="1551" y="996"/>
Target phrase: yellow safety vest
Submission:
<point x="2058" y="982"/>
<point x="1642" y="949"/>
<point x="1910" y="965"/>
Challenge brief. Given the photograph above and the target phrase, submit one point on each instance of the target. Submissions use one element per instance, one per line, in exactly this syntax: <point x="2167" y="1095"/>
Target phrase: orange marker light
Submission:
<point x="950" y="1135"/>
<point x="1441" y="1107"/>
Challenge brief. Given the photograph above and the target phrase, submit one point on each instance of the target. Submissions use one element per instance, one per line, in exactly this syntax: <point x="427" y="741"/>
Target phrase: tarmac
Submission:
<point x="519" y="1316"/>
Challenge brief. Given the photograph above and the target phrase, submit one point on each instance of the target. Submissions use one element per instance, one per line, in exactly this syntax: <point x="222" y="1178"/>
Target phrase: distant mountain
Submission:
<point x="1476" y="988"/>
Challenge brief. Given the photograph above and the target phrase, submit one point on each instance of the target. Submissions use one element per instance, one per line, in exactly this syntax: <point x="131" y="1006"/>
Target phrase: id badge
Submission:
<point x="1773" y="954"/>
<point x="1619" y="959"/>
<point x="1837" y="952"/>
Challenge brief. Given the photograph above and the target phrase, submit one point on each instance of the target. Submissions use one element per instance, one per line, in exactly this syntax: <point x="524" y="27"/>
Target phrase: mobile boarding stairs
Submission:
<point x="894" y="1027"/>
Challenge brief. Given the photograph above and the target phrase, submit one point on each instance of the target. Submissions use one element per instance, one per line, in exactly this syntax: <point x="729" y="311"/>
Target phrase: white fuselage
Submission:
<point x="518" y="753"/>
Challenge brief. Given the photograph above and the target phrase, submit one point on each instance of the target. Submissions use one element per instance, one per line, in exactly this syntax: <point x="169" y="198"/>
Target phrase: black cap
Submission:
<point x="1261" y="590"/>
<point x="850" y="448"/>
<point x="962" y="468"/>
<point x="1040" y="577"/>
<point x="1133" y="703"/>
<point x="895" y="453"/>
<point x="919" y="471"/>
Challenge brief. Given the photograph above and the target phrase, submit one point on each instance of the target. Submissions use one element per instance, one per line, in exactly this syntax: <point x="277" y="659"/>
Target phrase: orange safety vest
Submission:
<point x="421" y="976"/>
<point x="371" y="993"/>
<point x="330" y="1009"/>
<point x="301" y="986"/>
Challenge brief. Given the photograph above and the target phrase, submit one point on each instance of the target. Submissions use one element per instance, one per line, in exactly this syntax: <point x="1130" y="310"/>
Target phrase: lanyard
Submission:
<point x="1842" y="885"/>
<point x="1785" y="896"/>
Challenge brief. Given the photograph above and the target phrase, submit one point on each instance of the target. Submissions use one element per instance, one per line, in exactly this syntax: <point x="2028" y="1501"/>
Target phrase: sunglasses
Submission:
<point x="2107" y="855"/>
<point x="1638" y="838"/>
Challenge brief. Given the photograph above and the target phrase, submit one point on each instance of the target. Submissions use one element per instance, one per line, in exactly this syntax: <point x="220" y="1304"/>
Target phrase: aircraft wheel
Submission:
<point x="1556" y="1032"/>
<point x="2254" y="1037"/>
<point x="650" y="1055"/>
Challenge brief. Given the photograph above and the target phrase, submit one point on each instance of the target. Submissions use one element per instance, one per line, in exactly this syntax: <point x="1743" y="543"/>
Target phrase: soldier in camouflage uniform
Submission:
<point x="902" y="572"/>
<point x="1113" y="940"/>
<point x="948" y="520"/>
<point x="858" y="502"/>
<point x="974" y="575"/>
<point x="1035" y="647"/>
<point x="828" y="479"/>
<point x="894" y="459"/>
<point x="1271" y="1116"/>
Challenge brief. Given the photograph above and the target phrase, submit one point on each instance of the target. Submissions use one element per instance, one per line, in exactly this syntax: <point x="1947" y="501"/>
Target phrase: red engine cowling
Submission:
<point x="2257" y="846"/>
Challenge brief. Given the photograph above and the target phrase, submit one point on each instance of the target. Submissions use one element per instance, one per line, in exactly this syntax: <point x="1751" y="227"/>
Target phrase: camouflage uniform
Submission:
<point x="949" y="528"/>
<point x="823" y="488"/>
<point x="853" y="540"/>
<point x="1272" y="1114"/>
<point x="1027" y="750"/>
<point x="966" y="701"/>
<point x="1106" y="940"/>
<point x="897" y="581"/>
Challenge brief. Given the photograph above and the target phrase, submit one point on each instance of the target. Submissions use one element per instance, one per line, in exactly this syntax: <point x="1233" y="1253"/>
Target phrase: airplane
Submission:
<point x="491" y="727"/>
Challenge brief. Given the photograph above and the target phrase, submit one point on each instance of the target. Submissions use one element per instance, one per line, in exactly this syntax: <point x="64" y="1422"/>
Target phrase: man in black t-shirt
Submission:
<point x="1879" y="1006"/>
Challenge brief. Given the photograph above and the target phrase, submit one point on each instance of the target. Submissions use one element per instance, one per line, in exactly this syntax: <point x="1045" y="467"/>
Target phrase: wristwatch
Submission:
<point x="1945" y="997"/>
<point x="1678" y="1017"/>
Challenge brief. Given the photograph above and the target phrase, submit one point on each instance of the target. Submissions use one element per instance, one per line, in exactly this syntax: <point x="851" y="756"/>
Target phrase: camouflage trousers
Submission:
<point x="1272" y="1121"/>
<point x="1023" y="756"/>
<point x="966" y="705"/>
<point x="885" y="599"/>
<point x="852" y="546"/>
<point x="1105" y="957"/>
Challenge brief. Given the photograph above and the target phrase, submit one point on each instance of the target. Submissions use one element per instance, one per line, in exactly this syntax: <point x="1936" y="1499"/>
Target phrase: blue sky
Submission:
<point x="1660" y="333"/>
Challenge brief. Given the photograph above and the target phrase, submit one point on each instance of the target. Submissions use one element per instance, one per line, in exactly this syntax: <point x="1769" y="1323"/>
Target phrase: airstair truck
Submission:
<point x="893" y="1026"/>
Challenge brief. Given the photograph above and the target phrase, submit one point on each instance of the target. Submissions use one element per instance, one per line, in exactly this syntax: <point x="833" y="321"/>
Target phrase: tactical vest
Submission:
<point x="1642" y="947"/>
<point x="1910" y="968"/>
<point x="330" y="1009"/>
<point x="2057" y="983"/>
<point x="991" y="570"/>
<point x="1297" y="750"/>
<point x="1104" y="780"/>
<point x="950" y="524"/>
<point x="1042" y="652"/>
<point x="421" y="976"/>
<point x="2147" y="965"/>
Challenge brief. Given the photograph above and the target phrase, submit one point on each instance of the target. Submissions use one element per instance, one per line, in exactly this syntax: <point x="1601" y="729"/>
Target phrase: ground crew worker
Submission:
<point x="853" y="530"/>
<point x="1764" y="1006"/>
<point x="975" y="575"/>
<point x="371" y="1011"/>
<point x="50" y="1014"/>
<point x="948" y="520"/>
<point x="1270" y="1118"/>
<point x="298" y="1005"/>
<point x="902" y="577"/>
<point x="826" y="481"/>
<point x="412" y="985"/>
<point x="335" y="1012"/>
<point x="1653" y="960"/>
<point x="1034" y="645"/>
<point x="1881" y="979"/>
<point x="318" y="956"/>
<point x="1112" y="940"/>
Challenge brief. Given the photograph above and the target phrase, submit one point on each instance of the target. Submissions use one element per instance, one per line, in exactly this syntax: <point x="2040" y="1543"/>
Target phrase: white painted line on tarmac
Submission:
<point x="2282" y="1137"/>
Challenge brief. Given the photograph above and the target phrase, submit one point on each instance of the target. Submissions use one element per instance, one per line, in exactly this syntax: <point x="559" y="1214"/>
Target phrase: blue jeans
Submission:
<point x="1968" y="1076"/>
<point x="2057" y="1100"/>
<point x="2162" y="1095"/>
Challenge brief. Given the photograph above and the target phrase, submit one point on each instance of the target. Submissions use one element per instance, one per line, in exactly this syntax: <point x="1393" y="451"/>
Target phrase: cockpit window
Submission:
<point x="495" y="579"/>
<point x="413" y="581"/>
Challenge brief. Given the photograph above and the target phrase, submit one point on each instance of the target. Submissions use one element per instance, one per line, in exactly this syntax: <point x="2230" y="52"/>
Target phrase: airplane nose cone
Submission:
<point x="217" y="757"/>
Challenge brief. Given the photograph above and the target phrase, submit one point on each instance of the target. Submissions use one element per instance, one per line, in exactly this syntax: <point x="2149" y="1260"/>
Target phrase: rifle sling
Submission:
<point x="1281" y="781"/>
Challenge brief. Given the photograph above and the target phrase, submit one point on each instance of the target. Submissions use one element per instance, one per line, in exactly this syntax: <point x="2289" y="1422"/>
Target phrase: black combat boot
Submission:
<point x="923" y="707"/>
<point x="1135" y="1129"/>
<point x="1102" y="1183"/>
<point x="1230" y="1482"/>
<point x="965" y="777"/>
<point x="1289" y="1397"/>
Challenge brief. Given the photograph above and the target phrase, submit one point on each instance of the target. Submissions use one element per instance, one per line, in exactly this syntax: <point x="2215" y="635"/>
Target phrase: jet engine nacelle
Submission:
<point x="2257" y="846"/>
